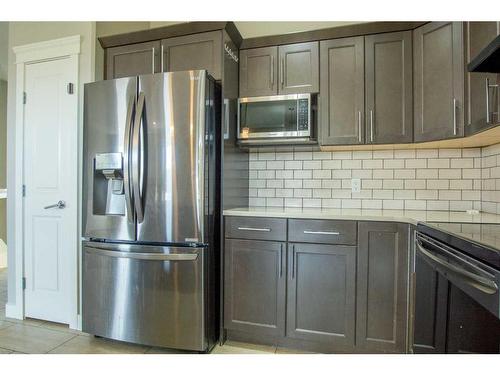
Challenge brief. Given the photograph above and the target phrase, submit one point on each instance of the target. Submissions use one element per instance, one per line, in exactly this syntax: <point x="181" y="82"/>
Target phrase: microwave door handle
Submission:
<point x="136" y="159"/>
<point x="127" y="178"/>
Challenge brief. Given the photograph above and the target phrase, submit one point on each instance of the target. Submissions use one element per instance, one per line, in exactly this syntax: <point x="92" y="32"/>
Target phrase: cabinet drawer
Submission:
<point x="337" y="232"/>
<point x="256" y="228"/>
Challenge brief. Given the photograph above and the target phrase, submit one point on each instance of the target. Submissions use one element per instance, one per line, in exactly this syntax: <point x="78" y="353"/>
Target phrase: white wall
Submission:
<point x="21" y="33"/>
<point x="4" y="41"/>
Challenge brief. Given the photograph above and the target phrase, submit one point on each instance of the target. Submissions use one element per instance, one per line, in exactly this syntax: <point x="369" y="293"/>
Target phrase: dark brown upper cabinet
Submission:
<point x="483" y="102"/>
<point x="258" y="72"/>
<point x="438" y="52"/>
<point x="389" y="88"/>
<point x="193" y="52"/>
<point x="299" y="68"/>
<point x="342" y="91"/>
<point x="382" y="284"/>
<point x="322" y="294"/>
<point x="133" y="59"/>
<point x="255" y="287"/>
<point x="289" y="69"/>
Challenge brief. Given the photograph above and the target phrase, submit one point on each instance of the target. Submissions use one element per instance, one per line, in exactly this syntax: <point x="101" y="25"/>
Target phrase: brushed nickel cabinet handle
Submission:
<point x="281" y="260"/>
<point x="371" y="125"/>
<point x="321" y="232"/>
<point x="255" y="229"/>
<point x="282" y="73"/>
<point x="454" y="116"/>
<point x="272" y="71"/>
<point x="359" y="127"/>
<point x="153" y="60"/>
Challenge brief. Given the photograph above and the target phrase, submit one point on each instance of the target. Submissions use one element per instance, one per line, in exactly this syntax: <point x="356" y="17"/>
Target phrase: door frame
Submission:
<point x="62" y="48"/>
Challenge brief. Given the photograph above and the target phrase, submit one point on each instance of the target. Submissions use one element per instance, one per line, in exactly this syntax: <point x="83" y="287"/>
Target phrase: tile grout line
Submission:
<point x="58" y="346"/>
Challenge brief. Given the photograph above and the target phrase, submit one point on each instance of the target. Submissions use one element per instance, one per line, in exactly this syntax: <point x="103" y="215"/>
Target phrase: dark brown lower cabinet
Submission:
<point x="382" y="287"/>
<point x="431" y="304"/>
<point x="254" y="296"/>
<point x="321" y="294"/>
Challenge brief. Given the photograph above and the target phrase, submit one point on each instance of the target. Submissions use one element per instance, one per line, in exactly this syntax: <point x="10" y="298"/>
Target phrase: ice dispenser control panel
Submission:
<point x="109" y="196"/>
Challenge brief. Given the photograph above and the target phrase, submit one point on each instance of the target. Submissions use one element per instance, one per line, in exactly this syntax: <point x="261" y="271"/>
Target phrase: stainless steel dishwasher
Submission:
<point x="457" y="299"/>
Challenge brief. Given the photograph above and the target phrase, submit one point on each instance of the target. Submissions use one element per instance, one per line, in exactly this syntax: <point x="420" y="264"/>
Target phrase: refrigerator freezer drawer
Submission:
<point x="149" y="295"/>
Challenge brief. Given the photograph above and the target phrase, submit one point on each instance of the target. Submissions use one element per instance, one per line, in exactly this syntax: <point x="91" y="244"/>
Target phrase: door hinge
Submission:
<point x="70" y="88"/>
<point x="24" y="283"/>
<point x="24" y="190"/>
<point x="24" y="97"/>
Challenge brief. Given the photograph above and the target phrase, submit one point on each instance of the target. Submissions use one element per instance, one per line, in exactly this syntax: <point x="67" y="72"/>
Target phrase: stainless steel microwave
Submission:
<point x="276" y="119"/>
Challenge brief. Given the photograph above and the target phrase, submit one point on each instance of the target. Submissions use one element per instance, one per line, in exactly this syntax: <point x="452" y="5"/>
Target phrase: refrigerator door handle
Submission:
<point x="127" y="178"/>
<point x="141" y="256"/>
<point x="136" y="159"/>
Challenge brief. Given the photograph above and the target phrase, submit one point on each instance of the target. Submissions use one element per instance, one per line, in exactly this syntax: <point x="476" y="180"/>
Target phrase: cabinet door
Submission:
<point x="258" y="72"/>
<point x="439" y="81"/>
<point x="382" y="280"/>
<point x="479" y="98"/>
<point x="342" y="91"/>
<point x="430" y="310"/>
<point x="299" y="68"/>
<point x="133" y="60"/>
<point x="321" y="294"/>
<point x="389" y="87"/>
<point x="254" y="287"/>
<point x="471" y="328"/>
<point x="194" y="52"/>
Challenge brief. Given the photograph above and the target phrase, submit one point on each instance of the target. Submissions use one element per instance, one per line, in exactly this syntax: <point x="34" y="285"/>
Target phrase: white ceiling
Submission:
<point x="250" y="29"/>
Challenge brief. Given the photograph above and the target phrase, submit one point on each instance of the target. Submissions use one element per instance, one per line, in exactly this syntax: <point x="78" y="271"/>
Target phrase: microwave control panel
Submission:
<point x="303" y="114"/>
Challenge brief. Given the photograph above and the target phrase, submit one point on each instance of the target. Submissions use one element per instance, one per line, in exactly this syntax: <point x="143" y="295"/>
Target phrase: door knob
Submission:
<point x="60" y="205"/>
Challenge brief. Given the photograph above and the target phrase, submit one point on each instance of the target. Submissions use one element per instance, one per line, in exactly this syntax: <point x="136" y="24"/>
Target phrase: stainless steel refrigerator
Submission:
<point x="151" y="197"/>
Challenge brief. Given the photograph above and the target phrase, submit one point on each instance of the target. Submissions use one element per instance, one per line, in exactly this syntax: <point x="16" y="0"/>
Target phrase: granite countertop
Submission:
<point x="405" y="216"/>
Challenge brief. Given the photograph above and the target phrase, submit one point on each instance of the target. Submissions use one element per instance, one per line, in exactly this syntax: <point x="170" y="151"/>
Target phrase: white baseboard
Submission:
<point x="3" y="254"/>
<point x="14" y="311"/>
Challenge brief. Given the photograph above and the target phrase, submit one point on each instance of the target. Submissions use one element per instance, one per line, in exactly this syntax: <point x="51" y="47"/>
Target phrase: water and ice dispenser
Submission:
<point x="109" y="192"/>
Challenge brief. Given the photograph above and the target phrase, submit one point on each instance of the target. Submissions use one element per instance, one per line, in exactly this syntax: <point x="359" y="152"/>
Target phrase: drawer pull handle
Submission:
<point x="325" y="233"/>
<point x="255" y="229"/>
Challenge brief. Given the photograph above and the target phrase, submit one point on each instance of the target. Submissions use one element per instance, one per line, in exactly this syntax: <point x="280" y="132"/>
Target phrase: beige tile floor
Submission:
<point x="38" y="337"/>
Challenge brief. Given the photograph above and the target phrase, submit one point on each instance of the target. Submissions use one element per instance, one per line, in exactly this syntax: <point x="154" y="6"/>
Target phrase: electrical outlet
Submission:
<point x="356" y="185"/>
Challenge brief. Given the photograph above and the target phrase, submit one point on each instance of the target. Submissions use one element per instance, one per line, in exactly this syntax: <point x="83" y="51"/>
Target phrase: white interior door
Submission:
<point x="50" y="157"/>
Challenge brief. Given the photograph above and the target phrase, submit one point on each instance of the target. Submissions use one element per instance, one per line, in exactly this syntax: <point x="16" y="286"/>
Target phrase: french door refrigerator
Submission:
<point x="150" y="209"/>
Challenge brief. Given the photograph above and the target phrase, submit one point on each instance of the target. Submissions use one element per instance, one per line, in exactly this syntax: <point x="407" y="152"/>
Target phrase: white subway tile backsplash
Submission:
<point x="382" y="173"/>
<point x="351" y="203"/>
<point x="424" y="179"/>
<point x="393" y="164"/>
<point x="342" y="155"/>
<point x="331" y="164"/>
<point x="311" y="184"/>
<point x="450" y="153"/>
<point x="322" y="174"/>
<point x="383" y="154"/>
<point x="351" y="164"/>
<point x="312" y="164"/>
<point x="276" y="164"/>
<point x="450" y="173"/>
<point x="393" y="204"/>
<point x="416" y="163"/>
<point x="404" y="154"/>
<point x="302" y="174"/>
<point x="374" y="204"/>
<point x="372" y="164"/>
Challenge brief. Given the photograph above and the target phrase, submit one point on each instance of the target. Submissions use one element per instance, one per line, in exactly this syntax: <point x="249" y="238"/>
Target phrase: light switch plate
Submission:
<point x="356" y="185"/>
